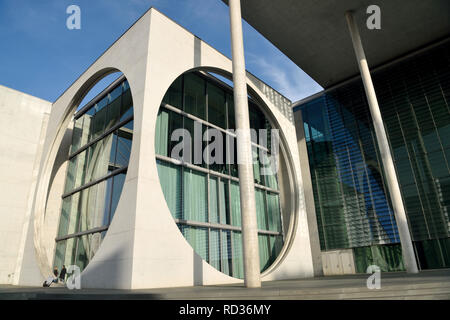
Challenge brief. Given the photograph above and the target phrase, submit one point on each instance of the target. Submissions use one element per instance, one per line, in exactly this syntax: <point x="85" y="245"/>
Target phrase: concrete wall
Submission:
<point x="309" y="195"/>
<point x="143" y="247"/>
<point x="54" y="202"/>
<point x="338" y="262"/>
<point x="23" y="123"/>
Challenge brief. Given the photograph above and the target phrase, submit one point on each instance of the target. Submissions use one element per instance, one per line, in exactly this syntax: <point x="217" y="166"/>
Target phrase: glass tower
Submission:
<point x="352" y="202"/>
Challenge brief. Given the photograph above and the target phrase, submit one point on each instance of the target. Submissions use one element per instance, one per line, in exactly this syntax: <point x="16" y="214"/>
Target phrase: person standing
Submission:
<point x="55" y="272"/>
<point x="62" y="275"/>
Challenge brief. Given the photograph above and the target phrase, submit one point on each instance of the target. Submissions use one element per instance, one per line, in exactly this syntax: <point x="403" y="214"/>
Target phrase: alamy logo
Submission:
<point x="374" y="281"/>
<point x="374" y="20"/>
<point x="74" y="281"/>
<point x="74" y="20"/>
<point x="221" y="147"/>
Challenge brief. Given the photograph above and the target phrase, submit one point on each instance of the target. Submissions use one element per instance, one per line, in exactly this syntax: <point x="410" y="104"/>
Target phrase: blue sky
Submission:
<point x="41" y="57"/>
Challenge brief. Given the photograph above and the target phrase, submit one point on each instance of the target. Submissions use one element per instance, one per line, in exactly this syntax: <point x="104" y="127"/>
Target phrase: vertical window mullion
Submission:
<point x="182" y="193"/>
<point x="219" y="211"/>
<point x="231" y="253"/>
<point x="110" y="198"/>
<point x="209" y="215"/>
<point x="75" y="258"/>
<point x="205" y="98"/>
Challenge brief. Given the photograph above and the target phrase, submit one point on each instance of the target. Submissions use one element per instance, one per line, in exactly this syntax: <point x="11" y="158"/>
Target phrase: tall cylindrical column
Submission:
<point x="386" y="157"/>
<point x="244" y="151"/>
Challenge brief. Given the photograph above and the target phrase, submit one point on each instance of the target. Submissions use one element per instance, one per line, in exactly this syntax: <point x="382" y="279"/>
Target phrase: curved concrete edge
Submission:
<point x="143" y="247"/>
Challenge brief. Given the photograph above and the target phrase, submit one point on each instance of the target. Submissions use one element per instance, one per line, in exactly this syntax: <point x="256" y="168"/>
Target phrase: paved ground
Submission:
<point x="425" y="285"/>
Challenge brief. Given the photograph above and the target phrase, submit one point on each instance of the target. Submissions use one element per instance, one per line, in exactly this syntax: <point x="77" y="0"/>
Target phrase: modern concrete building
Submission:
<point x="104" y="174"/>
<point x="23" y="127"/>
<point x="362" y="176"/>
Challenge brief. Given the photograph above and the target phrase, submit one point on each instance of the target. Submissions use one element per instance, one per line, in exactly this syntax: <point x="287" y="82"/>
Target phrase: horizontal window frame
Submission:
<point x="206" y="123"/>
<point x="209" y="171"/>
<point x="82" y="233"/>
<point x="96" y="181"/>
<point x="219" y="226"/>
<point x="100" y="96"/>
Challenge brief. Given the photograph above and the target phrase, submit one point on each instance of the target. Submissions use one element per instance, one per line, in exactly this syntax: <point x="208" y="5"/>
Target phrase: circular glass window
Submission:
<point x="97" y="165"/>
<point x="202" y="191"/>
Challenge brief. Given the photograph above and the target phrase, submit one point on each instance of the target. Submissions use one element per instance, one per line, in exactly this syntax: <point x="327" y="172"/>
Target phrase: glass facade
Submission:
<point x="98" y="162"/>
<point x="352" y="203"/>
<point x="204" y="198"/>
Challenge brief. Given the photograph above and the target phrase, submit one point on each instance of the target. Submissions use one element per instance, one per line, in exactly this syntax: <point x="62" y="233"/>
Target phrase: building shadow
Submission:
<point x="197" y="269"/>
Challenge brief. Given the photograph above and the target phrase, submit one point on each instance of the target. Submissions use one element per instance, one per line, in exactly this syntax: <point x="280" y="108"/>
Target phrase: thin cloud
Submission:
<point x="285" y="77"/>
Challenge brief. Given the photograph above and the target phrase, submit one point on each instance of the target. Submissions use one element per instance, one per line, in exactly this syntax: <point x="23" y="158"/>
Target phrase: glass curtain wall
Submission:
<point x="352" y="203"/>
<point x="98" y="162"/>
<point x="415" y="105"/>
<point x="204" y="199"/>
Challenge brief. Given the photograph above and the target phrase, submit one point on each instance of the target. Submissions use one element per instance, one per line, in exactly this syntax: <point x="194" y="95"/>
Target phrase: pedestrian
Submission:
<point x="62" y="274"/>
<point x="55" y="272"/>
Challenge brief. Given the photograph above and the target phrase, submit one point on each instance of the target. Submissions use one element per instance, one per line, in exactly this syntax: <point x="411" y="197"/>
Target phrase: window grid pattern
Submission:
<point x="414" y="98"/>
<point x="350" y="195"/>
<point x="98" y="162"/>
<point x="211" y="220"/>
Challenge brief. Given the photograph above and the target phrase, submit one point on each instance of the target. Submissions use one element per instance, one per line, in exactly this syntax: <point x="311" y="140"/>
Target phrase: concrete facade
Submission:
<point x="309" y="196"/>
<point x="143" y="247"/>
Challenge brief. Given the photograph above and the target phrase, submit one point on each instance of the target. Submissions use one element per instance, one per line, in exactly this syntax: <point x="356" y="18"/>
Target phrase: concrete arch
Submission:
<point x="292" y="193"/>
<point x="44" y="186"/>
<point x="133" y="66"/>
<point x="143" y="248"/>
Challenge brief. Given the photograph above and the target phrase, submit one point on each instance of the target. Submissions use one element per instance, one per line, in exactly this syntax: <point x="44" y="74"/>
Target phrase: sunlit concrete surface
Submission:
<point x="430" y="285"/>
<point x="22" y="128"/>
<point x="143" y="247"/>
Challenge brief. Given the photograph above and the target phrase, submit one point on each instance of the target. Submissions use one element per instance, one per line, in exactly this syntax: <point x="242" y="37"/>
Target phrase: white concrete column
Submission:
<point x="244" y="151"/>
<point x="386" y="157"/>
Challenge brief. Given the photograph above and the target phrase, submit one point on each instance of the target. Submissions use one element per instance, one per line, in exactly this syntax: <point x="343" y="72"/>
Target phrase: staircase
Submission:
<point x="428" y="285"/>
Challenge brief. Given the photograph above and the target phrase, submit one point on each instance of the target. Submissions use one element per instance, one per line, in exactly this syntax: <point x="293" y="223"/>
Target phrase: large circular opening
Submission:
<point x="98" y="159"/>
<point x="196" y="158"/>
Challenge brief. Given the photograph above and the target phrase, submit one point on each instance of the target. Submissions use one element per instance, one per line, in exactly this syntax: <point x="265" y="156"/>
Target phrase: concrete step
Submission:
<point x="439" y="293"/>
<point x="445" y="296"/>
<point x="77" y="296"/>
<point x="426" y="285"/>
<point x="426" y="289"/>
